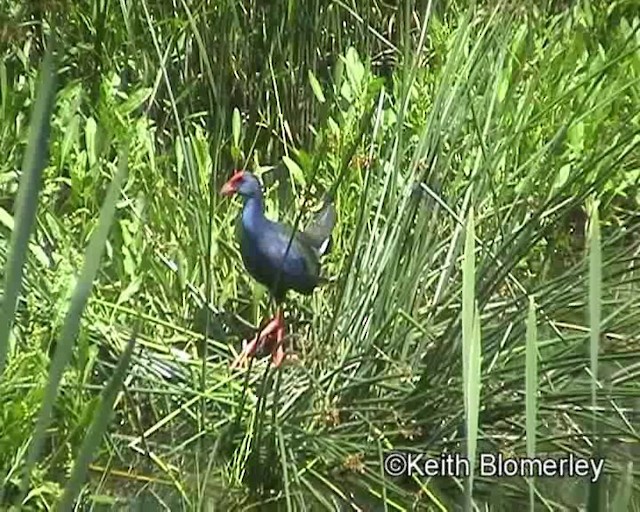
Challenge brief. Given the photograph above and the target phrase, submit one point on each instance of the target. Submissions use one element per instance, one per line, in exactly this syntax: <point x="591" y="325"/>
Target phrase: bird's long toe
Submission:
<point x="278" y="355"/>
<point x="277" y="352"/>
<point x="263" y="343"/>
<point x="248" y="351"/>
<point x="269" y="339"/>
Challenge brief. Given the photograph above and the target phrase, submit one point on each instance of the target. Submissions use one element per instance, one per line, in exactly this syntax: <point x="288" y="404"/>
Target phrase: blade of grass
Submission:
<point x="96" y="430"/>
<point x="35" y="159"/>
<point x="595" y="314"/>
<point x="595" y="295"/>
<point x="71" y="323"/>
<point x="531" y="390"/>
<point x="283" y="463"/>
<point x="470" y="353"/>
<point x="625" y="487"/>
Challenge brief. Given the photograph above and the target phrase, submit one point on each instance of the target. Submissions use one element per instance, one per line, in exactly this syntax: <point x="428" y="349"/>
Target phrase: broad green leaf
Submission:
<point x="562" y="176"/>
<point x="296" y="172"/>
<point x="315" y="87"/>
<point x="355" y="68"/>
<point x="575" y="135"/>
<point x="90" y="130"/>
<point x="134" y="101"/>
<point x="236" y="124"/>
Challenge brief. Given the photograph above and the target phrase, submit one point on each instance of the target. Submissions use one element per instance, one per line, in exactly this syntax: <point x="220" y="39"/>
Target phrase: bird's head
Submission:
<point x="243" y="183"/>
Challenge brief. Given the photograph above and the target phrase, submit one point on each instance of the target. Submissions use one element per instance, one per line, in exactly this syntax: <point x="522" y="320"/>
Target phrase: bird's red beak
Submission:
<point x="228" y="189"/>
<point x="231" y="186"/>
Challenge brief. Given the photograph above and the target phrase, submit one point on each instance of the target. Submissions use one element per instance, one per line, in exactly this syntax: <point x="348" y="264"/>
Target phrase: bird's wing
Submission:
<point x="300" y="260"/>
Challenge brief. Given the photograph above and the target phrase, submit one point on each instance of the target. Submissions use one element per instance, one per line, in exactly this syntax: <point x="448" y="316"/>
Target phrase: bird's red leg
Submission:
<point x="272" y="336"/>
<point x="277" y="352"/>
<point x="263" y="336"/>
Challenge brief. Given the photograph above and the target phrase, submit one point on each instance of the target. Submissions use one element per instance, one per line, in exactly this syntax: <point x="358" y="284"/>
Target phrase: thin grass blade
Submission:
<point x="96" y="430"/>
<point x="595" y="297"/>
<point x="622" y="497"/>
<point x="531" y="390"/>
<point x="470" y="352"/>
<point x="35" y="159"/>
<point x="595" y="315"/>
<point x="71" y="323"/>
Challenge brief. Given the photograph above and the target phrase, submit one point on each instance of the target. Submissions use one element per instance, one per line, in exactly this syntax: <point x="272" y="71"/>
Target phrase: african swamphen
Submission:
<point x="264" y="245"/>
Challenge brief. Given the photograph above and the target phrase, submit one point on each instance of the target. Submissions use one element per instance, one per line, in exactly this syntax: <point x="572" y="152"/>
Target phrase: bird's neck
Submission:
<point x="253" y="218"/>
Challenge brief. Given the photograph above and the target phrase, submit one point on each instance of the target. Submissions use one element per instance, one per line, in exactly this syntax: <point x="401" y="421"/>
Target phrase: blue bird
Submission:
<point x="277" y="257"/>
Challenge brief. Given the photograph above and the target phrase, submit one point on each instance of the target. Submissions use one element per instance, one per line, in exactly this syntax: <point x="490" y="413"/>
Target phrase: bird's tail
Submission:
<point x="318" y="232"/>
